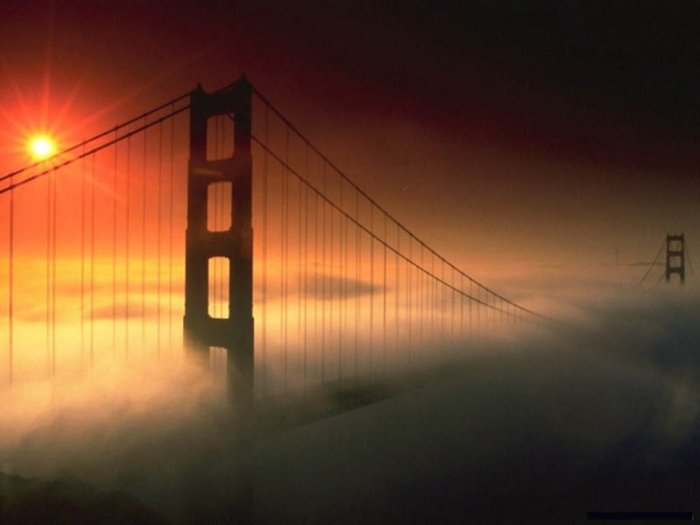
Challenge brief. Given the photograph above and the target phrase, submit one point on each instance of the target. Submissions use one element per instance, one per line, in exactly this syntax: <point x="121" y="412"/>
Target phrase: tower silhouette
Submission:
<point x="203" y="332"/>
<point x="675" y="256"/>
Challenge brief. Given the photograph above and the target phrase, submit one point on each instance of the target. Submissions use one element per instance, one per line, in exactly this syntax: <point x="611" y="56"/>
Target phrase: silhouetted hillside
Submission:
<point x="29" y="500"/>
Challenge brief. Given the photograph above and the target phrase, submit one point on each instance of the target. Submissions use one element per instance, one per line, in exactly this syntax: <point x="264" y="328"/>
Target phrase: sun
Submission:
<point x="41" y="147"/>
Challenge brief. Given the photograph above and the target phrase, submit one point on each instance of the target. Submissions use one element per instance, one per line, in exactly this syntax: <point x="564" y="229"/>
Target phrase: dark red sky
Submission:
<point x="546" y="132"/>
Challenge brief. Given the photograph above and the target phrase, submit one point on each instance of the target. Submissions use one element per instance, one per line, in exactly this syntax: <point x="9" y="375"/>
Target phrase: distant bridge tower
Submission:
<point x="204" y="333"/>
<point x="675" y="256"/>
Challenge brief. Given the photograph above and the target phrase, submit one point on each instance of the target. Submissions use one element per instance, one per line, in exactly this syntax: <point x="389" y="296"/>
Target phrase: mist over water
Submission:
<point x="598" y="411"/>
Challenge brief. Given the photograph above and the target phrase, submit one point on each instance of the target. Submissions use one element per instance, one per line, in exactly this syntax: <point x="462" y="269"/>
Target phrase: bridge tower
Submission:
<point x="675" y="256"/>
<point x="203" y="333"/>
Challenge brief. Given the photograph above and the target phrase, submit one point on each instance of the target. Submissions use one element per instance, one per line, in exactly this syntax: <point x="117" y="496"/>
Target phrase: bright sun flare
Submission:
<point x="41" y="147"/>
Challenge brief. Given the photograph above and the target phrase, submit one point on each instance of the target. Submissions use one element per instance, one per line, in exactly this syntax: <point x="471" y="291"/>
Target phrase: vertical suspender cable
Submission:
<point x="421" y="311"/>
<point x="114" y="248"/>
<point x="493" y="310"/>
<point x="127" y="211"/>
<point x="479" y="306"/>
<point x="438" y="313"/>
<point x="331" y="275"/>
<point x="471" y="304"/>
<point x="397" y="292"/>
<point x="443" y="309"/>
<point x="409" y="296"/>
<point x="143" y="239"/>
<point x="323" y="278"/>
<point x="47" y="321"/>
<point x="453" y="297"/>
<point x="82" y="258"/>
<point x="423" y="303"/>
<point x="299" y="269"/>
<point x="448" y="308"/>
<point x="303" y="266"/>
<point x="263" y="312"/>
<point x="461" y="311"/>
<point x="92" y="260"/>
<point x="358" y="257"/>
<point x="54" y="227"/>
<point x="317" y="274"/>
<point x="159" y="239"/>
<point x="384" y="330"/>
<point x="10" y="286"/>
<point x="342" y="264"/>
<point x="371" y="291"/>
<point x="285" y="252"/>
<point x="432" y="283"/>
<point x="171" y="201"/>
<point x="52" y="280"/>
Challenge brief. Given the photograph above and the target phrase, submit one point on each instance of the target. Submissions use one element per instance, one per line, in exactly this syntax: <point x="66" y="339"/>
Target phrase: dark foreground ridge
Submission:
<point x="67" y="501"/>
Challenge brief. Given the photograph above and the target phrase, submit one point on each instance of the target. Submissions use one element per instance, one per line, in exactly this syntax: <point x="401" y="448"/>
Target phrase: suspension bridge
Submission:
<point x="211" y="226"/>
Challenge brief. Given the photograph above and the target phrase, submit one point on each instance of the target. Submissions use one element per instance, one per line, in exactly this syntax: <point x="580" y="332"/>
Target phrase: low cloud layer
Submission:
<point x="599" y="411"/>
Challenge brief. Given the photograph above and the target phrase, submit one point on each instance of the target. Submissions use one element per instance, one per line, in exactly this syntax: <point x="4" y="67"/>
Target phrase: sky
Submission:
<point x="544" y="133"/>
<point x="535" y="138"/>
